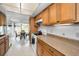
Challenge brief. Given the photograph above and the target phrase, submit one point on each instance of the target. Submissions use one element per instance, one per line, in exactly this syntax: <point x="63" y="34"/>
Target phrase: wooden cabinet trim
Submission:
<point x="75" y="12"/>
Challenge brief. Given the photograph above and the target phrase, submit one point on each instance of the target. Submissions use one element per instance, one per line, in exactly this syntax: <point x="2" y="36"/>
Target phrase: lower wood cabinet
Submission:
<point x="46" y="52"/>
<point x="2" y="48"/>
<point x="4" y="45"/>
<point x="43" y="49"/>
<point x="39" y="50"/>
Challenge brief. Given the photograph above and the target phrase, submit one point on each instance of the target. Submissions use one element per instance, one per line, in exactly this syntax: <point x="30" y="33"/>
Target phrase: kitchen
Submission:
<point x="53" y="29"/>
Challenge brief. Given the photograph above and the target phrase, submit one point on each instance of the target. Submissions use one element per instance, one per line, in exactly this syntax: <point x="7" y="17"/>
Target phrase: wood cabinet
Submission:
<point x="32" y="25"/>
<point x="2" y="49"/>
<point x="67" y="12"/>
<point x="60" y="13"/>
<point x="46" y="52"/>
<point x="38" y="17"/>
<point x="77" y="20"/>
<point x="43" y="49"/>
<point x="2" y="19"/>
<point x="4" y="45"/>
<point x="52" y="14"/>
<point x="39" y="50"/>
<point x="44" y="17"/>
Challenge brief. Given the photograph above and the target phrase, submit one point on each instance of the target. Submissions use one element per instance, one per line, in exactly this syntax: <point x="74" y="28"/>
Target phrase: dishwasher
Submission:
<point x="34" y="44"/>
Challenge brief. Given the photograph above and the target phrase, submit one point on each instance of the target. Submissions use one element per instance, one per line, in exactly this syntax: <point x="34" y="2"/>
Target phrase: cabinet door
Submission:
<point x="77" y="12"/>
<point x="52" y="14"/>
<point x="2" y="49"/>
<point x="46" y="53"/>
<point x="38" y="17"/>
<point x="45" y="17"/>
<point x="39" y="49"/>
<point x="67" y="12"/>
<point x="7" y="43"/>
<point x="2" y="19"/>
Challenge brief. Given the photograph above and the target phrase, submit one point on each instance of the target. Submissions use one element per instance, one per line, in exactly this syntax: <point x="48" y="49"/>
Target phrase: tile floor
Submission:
<point x="20" y="48"/>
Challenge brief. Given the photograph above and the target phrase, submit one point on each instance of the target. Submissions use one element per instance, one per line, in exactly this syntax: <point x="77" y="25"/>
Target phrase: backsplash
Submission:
<point x="70" y="31"/>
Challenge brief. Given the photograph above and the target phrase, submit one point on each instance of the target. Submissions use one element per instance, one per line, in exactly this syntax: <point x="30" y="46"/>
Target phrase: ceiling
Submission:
<point x="23" y="8"/>
<point x="21" y="12"/>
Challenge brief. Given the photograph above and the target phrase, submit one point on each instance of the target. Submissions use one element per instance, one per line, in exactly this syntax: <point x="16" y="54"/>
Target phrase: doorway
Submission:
<point x="21" y="27"/>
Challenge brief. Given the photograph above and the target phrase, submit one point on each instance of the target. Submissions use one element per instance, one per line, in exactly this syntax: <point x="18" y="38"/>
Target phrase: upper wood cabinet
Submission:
<point x="67" y="12"/>
<point x="60" y="13"/>
<point x="38" y="17"/>
<point x="2" y="19"/>
<point x="53" y="14"/>
<point x="77" y="20"/>
<point x="44" y="17"/>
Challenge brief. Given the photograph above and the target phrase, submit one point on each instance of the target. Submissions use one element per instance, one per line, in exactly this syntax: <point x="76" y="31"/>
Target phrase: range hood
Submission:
<point x="39" y="21"/>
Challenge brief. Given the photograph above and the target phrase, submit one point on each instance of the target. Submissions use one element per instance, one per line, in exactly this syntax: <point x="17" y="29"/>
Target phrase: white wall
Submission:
<point x="2" y="9"/>
<point x="70" y="31"/>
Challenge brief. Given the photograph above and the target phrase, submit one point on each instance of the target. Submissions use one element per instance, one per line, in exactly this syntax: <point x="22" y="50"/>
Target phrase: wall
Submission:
<point x="70" y="31"/>
<point x="2" y="9"/>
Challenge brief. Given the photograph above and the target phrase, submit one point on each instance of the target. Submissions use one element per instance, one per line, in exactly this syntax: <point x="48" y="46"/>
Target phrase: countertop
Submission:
<point x="64" y="45"/>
